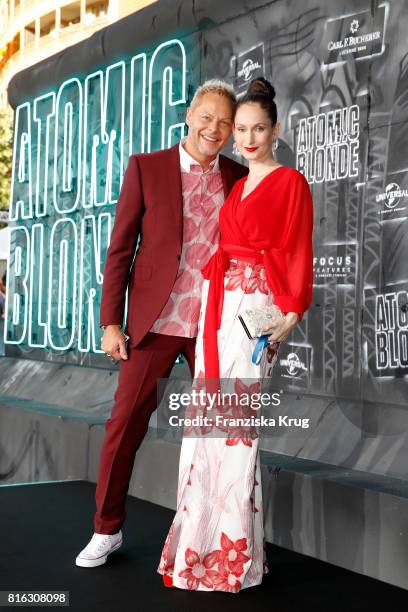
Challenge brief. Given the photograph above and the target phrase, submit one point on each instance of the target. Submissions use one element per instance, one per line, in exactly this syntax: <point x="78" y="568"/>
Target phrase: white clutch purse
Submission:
<point x="254" y="319"/>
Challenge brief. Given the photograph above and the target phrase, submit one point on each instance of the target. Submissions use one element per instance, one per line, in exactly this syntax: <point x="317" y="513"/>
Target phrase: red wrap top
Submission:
<point x="273" y="224"/>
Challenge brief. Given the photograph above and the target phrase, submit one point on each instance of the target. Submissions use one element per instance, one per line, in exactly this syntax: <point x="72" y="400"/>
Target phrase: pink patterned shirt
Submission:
<point x="203" y="196"/>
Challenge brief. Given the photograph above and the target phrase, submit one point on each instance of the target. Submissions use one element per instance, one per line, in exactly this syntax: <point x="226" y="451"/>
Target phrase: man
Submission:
<point x="172" y="199"/>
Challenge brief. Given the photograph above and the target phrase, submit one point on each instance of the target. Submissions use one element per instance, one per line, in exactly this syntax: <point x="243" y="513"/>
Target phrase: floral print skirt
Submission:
<point x="216" y="541"/>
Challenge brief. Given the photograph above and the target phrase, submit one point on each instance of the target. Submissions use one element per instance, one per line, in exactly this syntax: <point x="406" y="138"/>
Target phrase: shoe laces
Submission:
<point x="102" y="542"/>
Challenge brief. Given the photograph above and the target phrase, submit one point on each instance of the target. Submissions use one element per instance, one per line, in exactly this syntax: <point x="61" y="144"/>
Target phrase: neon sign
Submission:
<point x="71" y="148"/>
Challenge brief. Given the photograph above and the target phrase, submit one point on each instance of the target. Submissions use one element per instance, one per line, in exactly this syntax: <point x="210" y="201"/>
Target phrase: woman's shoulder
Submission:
<point x="294" y="178"/>
<point x="294" y="174"/>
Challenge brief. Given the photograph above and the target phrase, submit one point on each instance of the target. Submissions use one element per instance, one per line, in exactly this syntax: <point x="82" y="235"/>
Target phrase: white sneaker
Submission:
<point x="98" y="549"/>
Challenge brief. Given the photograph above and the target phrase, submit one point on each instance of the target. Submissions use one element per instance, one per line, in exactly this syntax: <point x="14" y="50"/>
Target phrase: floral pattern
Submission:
<point x="198" y="571"/>
<point x="203" y="196"/>
<point x="243" y="433"/>
<point x="231" y="555"/>
<point x="246" y="276"/>
<point x="216" y="541"/>
<point x="228" y="563"/>
<point x="165" y="552"/>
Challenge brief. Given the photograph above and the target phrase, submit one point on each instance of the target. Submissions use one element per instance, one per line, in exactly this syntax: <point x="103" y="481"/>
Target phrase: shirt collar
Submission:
<point x="186" y="160"/>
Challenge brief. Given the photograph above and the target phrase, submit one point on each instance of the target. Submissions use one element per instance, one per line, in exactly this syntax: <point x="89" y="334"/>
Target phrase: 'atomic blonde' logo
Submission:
<point x="70" y="151"/>
<point x="327" y="147"/>
<point x="391" y="330"/>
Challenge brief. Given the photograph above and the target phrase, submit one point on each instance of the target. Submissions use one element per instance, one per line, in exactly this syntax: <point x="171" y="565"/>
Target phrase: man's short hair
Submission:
<point x="222" y="88"/>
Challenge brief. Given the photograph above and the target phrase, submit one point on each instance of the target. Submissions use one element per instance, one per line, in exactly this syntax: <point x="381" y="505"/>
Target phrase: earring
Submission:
<point x="274" y="145"/>
<point x="235" y="149"/>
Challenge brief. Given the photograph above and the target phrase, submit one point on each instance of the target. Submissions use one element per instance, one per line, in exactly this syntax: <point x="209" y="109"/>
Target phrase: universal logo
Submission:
<point x="293" y="364"/>
<point x="248" y="65"/>
<point x="392" y="195"/>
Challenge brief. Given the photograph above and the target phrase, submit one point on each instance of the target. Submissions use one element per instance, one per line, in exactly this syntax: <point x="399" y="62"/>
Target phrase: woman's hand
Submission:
<point x="281" y="328"/>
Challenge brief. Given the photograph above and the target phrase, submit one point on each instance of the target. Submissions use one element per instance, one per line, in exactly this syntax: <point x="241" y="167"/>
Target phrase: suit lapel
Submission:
<point x="175" y="191"/>
<point x="226" y="174"/>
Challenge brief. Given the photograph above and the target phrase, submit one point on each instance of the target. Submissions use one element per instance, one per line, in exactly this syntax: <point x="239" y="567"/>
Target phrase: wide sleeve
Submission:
<point x="289" y="265"/>
<point x="119" y="259"/>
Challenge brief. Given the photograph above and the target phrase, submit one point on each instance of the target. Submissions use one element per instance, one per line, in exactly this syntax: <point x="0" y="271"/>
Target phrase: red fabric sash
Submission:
<point x="214" y="271"/>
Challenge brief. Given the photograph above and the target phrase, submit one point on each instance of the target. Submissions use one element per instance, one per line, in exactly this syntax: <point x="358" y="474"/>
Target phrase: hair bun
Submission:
<point x="261" y="86"/>
<point x="261" y="92"/>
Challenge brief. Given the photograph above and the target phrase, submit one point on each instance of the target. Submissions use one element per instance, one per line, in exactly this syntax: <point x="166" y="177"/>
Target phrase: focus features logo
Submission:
<point x="332" y="267"/>
<point x="293" y="364"/>
<point x="333" y="261"/>
<point x="392" y="195"/>
<point x="248" y="68"/>
<point x="354" y="26"/>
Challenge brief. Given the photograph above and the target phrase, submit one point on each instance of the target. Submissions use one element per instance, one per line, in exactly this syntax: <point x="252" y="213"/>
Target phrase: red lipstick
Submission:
<point x="250" y="149"/>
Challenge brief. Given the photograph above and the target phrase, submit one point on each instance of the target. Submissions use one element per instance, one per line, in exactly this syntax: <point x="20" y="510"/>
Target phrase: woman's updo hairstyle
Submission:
<point x="262" y="92"/>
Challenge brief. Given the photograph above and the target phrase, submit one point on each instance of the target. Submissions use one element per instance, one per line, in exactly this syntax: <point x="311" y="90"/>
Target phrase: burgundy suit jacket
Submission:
<point x="150" y="204"/>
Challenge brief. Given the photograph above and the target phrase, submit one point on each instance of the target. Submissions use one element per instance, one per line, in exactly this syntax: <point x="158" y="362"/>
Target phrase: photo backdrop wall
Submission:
<point x="341" y="75"/>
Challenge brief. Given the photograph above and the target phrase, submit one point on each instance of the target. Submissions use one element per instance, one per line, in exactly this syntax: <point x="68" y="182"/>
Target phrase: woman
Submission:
<point x="216" y="540"/>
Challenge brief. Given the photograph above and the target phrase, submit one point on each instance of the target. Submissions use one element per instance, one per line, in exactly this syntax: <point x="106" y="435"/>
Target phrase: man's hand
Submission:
<point x="113" y="342"/>
<point x="281" y="329"/>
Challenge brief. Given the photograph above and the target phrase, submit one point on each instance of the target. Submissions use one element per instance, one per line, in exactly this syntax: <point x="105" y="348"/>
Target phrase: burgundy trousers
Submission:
<point x="135" y="400"/>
